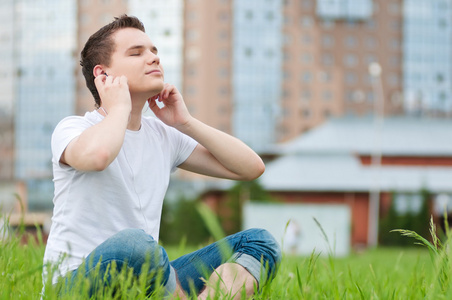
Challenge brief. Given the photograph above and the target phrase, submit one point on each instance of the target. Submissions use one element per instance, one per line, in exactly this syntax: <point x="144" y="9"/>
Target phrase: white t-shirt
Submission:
<point x="90" y="207"/>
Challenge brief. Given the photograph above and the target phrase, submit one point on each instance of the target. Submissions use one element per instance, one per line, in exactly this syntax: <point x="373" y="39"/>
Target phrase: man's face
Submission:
<point x="135" y="57"/>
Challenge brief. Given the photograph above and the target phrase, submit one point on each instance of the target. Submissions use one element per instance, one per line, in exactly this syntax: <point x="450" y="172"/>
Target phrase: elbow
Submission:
<point x="260" y="169"/>
<point x="101" y="160"/>
<point x="256" y="172"/>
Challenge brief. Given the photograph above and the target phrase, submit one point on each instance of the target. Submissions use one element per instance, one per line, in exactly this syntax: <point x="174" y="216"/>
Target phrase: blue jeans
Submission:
<point x="254" y="249"/>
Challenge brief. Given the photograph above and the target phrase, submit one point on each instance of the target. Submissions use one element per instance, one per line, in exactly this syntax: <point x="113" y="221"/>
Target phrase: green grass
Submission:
<point x="383" y="273"/>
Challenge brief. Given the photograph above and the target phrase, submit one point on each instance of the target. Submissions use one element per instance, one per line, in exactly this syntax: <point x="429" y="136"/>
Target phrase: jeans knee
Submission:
<point x="266" y="248"/>
<point x="140" y="249"/>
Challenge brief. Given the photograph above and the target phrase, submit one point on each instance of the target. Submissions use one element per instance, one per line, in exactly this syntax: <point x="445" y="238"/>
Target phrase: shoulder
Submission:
<point x="89" y="119"/>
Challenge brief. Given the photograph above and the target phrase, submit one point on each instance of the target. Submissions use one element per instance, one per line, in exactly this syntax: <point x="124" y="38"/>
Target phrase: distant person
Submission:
<point x="112" y="168"/>
<point x="292" y="237"/>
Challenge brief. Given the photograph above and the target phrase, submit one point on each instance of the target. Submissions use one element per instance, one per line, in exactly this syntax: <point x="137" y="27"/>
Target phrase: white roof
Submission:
<point x="398" y="136"/>
<point x="343" y="172"/>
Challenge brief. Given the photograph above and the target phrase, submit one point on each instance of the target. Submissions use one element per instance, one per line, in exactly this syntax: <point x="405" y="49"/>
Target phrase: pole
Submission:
<point x="374" y="195"/>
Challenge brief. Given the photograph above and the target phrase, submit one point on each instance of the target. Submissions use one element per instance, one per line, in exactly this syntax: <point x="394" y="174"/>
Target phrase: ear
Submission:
<point x="98" y="70"/>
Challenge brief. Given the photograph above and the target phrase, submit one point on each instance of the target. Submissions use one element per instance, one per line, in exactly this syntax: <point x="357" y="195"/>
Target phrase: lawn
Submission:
<point x="382" y="273"/>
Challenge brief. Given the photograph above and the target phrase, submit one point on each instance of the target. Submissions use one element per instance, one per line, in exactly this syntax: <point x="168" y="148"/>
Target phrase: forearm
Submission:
<point x="231" y="153"/>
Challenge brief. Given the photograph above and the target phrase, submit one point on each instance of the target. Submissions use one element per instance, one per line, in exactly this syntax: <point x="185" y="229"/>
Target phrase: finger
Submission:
<point x="168" y="90"/>
<point x="151" y="102"/>
<point x="99" y="80"/>
<point x="153" y="98"/>
<point x="109" y="79"/>
<point x="116" y="80"/>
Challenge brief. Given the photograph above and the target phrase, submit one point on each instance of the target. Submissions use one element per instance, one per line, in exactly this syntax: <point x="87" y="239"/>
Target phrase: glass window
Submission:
<point x="370" y="96"/>
<point x="307" y="58"/>
<point x="223" y="91"/>
<point x="325" y="76"/>
<point x="327" y="41"/>
<point x="395" y="25"/>
<point x="191" y="72"/>
<point x="192" y="34"/>
<point x="350" y="78"/>
<point x="307" y="4"/>
<point x="394" y="8"/>
<point x="370" y="42"/>
<point x="350" y="41"/>
<point x="287" y="39"/>
<point x="223" y="53"/>
<point x="286" y="93"/>
<point x="327" y="59"/>
<point x="393" y="80"/>
<point x="328" y="24"/>
<point x="306" y="113"/>
<point x="371" y="24"/>
<point x="306" y="77"/>
<point x="394" y="44"/>
<point x="370" y="58"/>
<point x="286" y="74"/>
<point x="286" y="56"/>
<point x="306" y="95"/>
<point x="306" y="39"/>
<point x="350" y="60"/>
<point x="307" y="22"/>
<point x="270" y="16"/>
<point x="223" y="72"/>
<point x="394" y="60"/>
<point x="327" y="95"/>
<point x="192" y="15"/>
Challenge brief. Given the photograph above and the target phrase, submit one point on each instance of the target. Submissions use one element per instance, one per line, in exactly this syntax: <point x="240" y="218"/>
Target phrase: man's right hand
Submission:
<point x="114" y="92"/>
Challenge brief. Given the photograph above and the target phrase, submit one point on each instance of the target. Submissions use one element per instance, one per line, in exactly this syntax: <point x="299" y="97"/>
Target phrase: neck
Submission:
<point x="134" y="118"/>
<point x="135" y="115"/>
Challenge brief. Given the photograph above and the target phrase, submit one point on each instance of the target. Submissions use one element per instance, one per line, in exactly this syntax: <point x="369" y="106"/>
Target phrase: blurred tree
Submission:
<point x="181" y="220"/>
<point x="417" y="221"/>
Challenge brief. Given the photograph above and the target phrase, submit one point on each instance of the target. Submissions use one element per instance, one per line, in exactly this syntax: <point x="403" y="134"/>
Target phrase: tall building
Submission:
<point x="256" y="71"/>
<point x="267" y="71"/>
<point x="207" y="68"/>
<point x="37" y="72"/>
<point x="7" y="86"/>
<point x="427" y="60"/>
<point x="327" y="51"/>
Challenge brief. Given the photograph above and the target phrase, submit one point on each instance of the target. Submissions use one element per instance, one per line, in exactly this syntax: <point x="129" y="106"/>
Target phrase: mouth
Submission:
<point x="158" y="72"/>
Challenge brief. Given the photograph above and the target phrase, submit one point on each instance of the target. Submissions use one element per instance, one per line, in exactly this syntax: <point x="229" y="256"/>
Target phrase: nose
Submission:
<point x="153" y="58"/>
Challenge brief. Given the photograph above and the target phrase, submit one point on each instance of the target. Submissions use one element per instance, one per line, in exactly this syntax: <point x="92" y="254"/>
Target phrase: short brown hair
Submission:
<point x="99" y="48"/>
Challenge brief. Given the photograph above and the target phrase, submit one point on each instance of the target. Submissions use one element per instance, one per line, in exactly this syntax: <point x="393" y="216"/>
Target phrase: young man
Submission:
<point x="112" y="168"/>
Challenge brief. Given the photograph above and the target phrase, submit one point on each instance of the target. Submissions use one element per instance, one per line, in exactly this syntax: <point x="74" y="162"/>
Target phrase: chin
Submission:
<point x="155" y="91"/>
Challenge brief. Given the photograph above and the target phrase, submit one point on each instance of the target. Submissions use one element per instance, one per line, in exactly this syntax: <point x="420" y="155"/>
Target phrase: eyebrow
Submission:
<point x="140" y="47"/>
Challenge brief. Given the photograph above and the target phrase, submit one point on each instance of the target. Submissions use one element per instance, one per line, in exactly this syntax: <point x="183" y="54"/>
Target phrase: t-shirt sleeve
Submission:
<point x="68" y="129"/>
<point x="182" y="147"/>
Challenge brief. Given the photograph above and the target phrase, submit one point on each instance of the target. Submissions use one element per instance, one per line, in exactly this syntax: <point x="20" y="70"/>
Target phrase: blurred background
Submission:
<point x="349" y="102"/>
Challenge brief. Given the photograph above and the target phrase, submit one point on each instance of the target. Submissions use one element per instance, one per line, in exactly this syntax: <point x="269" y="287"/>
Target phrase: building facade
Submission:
<point x="38" y="89"/>
<point x="427" y="60"/>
